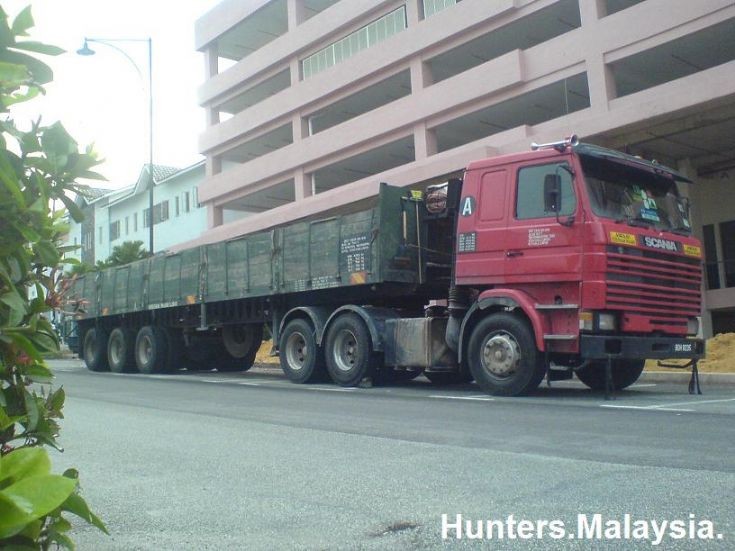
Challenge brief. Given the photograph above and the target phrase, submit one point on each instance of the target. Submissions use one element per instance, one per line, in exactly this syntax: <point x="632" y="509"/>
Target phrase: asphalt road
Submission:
<point x="251" y="461"/>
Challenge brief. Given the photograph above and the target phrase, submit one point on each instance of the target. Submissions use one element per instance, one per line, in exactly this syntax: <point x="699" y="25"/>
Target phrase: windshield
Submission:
<point x="635" y="196"/>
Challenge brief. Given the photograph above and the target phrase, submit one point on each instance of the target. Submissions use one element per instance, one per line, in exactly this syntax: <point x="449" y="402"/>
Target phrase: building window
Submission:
<point x="127" y="225"/>
<point x="195" y="196"/>
<point x="177" y="206"/>
<point x="186" y="201"/>
<point x="727" y="237"/>
<point x="115" y="230"/>
<point x="432" y="7"/>
<point x="135" y="221"/>
<point x="364" y="38"/>
<point x="100" y="230"/>
<point x="160" y="214"/>
<point x="530" y="195"/>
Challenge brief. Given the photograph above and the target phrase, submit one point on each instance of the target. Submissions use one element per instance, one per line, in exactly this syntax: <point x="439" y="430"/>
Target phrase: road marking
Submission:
<point x="646" y="408"/>
<point x="642" y="385"/>
<point x="476" y="398"/>
<point x="693" y="403"/>
<point x="247" y="384"/>
<point x="332" y="389"/>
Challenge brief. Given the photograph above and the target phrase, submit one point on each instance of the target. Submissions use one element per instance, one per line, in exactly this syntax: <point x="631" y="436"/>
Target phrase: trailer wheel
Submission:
<point x="301" y="359"/>
<point x="94" y="349"/>
<point x="624" y="373"/>
<point x="240" y="340"/>
<point x="349" y="353"/>
<point x="121" y="350"/>
<point x="151" y="354"/>
<point x="502" y="356"/>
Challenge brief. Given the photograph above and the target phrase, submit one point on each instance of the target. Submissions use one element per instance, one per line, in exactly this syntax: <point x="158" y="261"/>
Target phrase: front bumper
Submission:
<point x="601" y="347"/>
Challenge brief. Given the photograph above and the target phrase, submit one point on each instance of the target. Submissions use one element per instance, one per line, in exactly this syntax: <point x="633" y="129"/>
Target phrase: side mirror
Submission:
<point x="552" y="193"/>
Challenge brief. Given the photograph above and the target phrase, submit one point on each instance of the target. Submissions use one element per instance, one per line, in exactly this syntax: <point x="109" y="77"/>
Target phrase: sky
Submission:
<point x="102" y="100"/>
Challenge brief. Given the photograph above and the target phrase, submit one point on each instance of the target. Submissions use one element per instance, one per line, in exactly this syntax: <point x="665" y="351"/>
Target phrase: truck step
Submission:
<point x="556" y="306"/>
<point x="560" y="337"/>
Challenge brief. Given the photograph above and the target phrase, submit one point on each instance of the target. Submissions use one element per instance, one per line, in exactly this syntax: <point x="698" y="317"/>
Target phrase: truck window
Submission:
<point x="530" y="193"/>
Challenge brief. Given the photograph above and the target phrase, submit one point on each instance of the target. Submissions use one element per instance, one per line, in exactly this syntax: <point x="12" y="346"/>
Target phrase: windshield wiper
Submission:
<point x="681" y="230"/>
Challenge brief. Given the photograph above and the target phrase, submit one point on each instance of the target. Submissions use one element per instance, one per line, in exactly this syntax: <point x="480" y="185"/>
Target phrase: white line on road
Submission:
<point x="642" y="385"/>
<point x="646" y="408"/>
<point x="476" y="398"/>
<point x="332" y="389"/>
<point x="695" y="402"/>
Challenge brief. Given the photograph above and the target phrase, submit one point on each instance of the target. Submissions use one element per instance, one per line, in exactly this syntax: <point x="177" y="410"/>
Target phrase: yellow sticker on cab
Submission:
<point x="622" y="238"/>
<point x="693" y="250"/>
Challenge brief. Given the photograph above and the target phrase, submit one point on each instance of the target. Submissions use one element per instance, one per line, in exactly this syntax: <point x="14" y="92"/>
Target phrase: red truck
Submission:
<point x="569" y="259"/>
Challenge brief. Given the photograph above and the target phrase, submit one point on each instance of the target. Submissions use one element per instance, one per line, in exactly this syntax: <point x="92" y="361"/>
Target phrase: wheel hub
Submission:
<point x="501" y="355"/>
<point x="345" y="350"/>
<point x="296" y="351"/>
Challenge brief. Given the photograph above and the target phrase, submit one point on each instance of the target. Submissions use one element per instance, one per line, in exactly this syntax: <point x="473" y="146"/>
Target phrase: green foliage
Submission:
<point x="37" y="166"/>
<point x="125" y="253"/>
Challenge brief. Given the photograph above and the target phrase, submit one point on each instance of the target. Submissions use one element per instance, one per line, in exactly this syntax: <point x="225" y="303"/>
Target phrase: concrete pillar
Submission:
<point x="214" y="216"/>
<point x="295" y="68"/>
<point x="300" y="127"/>
<point x="296" y="13"/>
<point x="600" y="78"/>
<point x="424" y="141"/>
<point x="212" y="166"/>
<point x="421" y="76"/>
<point x="303" y="184"/>
<point x="414" y="12"/>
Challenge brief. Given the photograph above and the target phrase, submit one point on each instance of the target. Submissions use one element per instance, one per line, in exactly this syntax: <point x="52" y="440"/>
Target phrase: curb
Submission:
<point x="684" y="375"/>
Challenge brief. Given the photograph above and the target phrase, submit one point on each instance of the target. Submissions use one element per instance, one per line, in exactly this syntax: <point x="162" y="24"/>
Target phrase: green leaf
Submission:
<point x="75" y="212"/>
<point x="76" y="505"/>
<point x="34" y="413"/>
<point x="38" y="47"/>
<point x="13" y="518"/>
<point x="13" y="73"/>
<point x="40" y="72"/>
<point x="38" y="373"/>
<point x="39" y="495"/>
<point x="56" y="401"/>
<point x="22" y="22"/>
<point x="25" y="462"/>
<point x="5" y="420"/>
<point x="14" y="300"/>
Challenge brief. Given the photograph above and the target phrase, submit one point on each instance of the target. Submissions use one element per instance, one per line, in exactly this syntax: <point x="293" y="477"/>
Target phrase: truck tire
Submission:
<point x="624" y="373"/>
<point x="241" y="340"/>
<point x="503" y="357"/>
<point x="151" y="350"/>
<point x="349" y="354"/>
<point x="121" y="350"/>
<point x="94" y="349"/>
<point x="448" y="377"/>
<point x="301" y="359"/>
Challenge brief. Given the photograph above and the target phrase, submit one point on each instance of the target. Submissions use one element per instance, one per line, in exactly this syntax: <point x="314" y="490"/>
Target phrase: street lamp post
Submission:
<point x="109" y="42"/>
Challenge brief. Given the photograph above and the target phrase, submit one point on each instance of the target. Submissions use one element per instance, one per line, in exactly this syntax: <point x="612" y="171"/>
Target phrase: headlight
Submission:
<point x="606" y="321"/>
<point x="597" y="321"/>
<point x="693" y="326"/>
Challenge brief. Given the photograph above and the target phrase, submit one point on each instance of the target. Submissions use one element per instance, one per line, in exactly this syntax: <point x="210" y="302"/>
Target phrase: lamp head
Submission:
<point x="86" y="50"/>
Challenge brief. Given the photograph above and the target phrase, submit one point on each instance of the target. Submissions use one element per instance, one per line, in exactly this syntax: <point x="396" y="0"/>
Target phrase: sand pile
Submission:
<point x="720" y="355"/>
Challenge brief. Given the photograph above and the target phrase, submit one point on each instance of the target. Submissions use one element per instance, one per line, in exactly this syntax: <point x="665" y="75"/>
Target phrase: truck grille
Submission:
<point x="662" y="287"/>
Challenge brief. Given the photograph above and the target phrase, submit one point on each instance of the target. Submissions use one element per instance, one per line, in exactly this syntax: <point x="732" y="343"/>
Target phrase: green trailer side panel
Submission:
<point x="106" y="288"/>
<point x="122" y="281"/>
<point x="357" y="247"/>
<point x="216" y="287"/>
<point x="172" y="280"/>
<point x="295" y="254"/>
<point x="155" y="281"/>
<point x="136" y="285"/>
<point x="237" y="280"/>
<point x="324" y="252"/>
<point x="190" y="266"/>
<point x="260" y="264"/>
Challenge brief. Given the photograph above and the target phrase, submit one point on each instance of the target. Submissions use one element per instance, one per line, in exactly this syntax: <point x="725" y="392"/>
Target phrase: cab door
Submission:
<point x="542" y="246"/>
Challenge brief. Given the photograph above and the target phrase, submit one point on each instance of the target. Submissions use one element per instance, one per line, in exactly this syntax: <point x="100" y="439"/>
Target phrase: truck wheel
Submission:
<point x="151" y="350"/>
<point x="121" y="350"/>
<point x="94" y="349"/>
<point x="349" y="353"/>
<point x="624" y="373"/>
<point x="241" y="340"/>
<point x="448" y="377"/>
<point x="301" y="359"/>
<point x="503" y="357"/>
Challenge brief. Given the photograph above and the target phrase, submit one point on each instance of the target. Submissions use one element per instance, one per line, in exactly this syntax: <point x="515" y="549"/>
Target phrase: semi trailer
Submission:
<point x="569" y="259"/>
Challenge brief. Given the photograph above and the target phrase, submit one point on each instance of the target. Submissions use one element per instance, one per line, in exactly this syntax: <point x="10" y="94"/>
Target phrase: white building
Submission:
<point x="115" y="216"/>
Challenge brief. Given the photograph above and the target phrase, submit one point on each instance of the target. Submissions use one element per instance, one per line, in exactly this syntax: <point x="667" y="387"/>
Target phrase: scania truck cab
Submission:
<point x="573" y="258"/>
